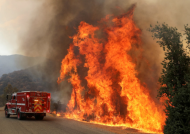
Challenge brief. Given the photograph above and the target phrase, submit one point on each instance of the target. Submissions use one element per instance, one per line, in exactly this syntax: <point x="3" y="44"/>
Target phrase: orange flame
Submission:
<point x="114" y="95"/>
<point x="54" y="112"/>
<point x="58" y="113"/>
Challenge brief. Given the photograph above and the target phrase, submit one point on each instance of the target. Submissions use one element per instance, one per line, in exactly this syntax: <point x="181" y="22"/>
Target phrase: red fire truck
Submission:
<point x="27" y="104"/>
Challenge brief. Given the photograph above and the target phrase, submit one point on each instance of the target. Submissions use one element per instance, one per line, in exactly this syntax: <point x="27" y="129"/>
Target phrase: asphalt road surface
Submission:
<point x="55" y="125"/>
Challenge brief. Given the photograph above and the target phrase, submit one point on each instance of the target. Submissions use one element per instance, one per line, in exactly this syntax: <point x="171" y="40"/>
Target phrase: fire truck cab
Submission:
<point x="27" y="104"/>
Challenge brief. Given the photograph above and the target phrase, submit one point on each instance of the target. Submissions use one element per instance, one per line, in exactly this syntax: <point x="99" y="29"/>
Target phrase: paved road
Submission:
<point x="54" y="125"/>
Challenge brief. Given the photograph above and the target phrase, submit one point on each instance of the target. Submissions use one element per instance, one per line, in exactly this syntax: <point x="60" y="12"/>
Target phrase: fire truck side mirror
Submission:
<point x="7" y="97"/>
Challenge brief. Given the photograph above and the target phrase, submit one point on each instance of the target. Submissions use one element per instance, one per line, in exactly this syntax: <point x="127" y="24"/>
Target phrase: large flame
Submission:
<point x="113" y="95"/>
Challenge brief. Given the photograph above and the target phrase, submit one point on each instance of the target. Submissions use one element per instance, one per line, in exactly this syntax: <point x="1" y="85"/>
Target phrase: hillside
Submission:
<point x="40" y="77"/>
<point x="12" y="63"/>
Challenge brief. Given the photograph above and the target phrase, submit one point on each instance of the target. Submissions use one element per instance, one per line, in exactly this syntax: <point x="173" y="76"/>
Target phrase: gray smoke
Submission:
<point x="56" y="20"/>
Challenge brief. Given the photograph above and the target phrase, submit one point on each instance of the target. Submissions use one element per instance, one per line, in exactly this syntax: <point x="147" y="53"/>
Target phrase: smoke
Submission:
<point x="56" y="20"/>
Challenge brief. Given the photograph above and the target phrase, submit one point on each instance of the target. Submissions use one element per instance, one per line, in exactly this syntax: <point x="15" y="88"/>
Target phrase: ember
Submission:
<point x="114" y="95"/>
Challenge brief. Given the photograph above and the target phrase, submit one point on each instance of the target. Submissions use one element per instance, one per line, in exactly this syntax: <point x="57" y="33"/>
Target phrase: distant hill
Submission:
<point x="41" y="77"/>
<point x="12" y="63"/>
<point x="37" y="76"/>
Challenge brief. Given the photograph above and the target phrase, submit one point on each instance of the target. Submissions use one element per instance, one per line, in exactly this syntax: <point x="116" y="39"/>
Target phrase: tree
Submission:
<point x="8" y="90"/>
<point x="1" y="100"/>
<point x="175" y="78"/>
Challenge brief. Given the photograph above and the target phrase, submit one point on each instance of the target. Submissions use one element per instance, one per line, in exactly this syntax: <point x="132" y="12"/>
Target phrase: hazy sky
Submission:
<point x="15" y="16"/>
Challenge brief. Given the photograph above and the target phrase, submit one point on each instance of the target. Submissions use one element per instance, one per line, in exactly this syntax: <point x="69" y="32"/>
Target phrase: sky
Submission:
<point x="15" y="17"/>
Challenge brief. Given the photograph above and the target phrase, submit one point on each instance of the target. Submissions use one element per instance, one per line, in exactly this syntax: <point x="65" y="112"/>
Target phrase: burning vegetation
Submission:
<point x="106" y="89"/>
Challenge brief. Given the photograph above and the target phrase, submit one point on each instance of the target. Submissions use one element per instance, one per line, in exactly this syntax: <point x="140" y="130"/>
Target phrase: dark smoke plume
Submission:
<point x="48" y="34"/>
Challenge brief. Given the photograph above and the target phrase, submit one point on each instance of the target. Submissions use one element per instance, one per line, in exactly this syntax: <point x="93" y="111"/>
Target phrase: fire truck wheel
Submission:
<point x="38" y="117"/>
<point x="42" y="117"/>
<point x="19" y="115"/>
<point x="6" y="113"/>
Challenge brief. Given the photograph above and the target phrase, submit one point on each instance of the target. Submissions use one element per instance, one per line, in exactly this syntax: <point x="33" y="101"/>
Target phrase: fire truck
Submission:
<point x="27" y="104"/>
